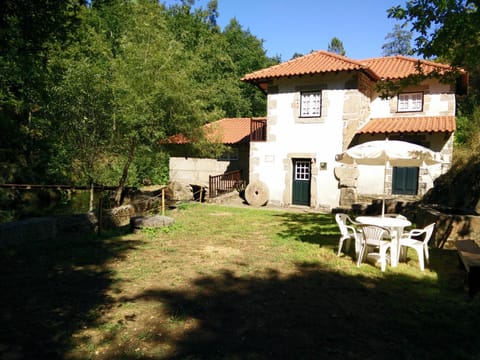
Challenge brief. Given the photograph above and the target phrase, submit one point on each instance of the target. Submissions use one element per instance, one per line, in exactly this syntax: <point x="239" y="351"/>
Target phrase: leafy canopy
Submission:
<point x="336" y="46"/>
<point x="450" y="31"/>
<point x="90" y="89"/>
<point x="399" y="42"/>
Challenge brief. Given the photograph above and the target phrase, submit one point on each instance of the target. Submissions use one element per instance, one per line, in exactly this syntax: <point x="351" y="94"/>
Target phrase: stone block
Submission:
<point x="346" y="175"/>
<point x="117" y="217"/>
<point x="156" y="221"/>
<point x="348" y="196"/>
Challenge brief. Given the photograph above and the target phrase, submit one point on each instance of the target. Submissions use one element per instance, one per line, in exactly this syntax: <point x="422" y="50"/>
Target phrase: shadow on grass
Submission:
<point x="322" y="230"/>
<point x="316" y="314"/>
<point x="49" y="289"/>
<point x="310" y="228"/>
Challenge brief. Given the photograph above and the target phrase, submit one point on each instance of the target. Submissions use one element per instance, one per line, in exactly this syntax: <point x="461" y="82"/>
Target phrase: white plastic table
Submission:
<point x="395" y="225"/>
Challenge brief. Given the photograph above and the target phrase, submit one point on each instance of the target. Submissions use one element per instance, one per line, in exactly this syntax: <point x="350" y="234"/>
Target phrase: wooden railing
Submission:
<point x="258" y="130"/>
<point x="227" y="182"/>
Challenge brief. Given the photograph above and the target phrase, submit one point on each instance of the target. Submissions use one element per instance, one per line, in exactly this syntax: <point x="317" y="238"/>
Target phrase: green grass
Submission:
<point x="229" y="283"/>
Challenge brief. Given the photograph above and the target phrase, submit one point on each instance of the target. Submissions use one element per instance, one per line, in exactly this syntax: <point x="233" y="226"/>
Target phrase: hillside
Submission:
<point x="460" y="187"/>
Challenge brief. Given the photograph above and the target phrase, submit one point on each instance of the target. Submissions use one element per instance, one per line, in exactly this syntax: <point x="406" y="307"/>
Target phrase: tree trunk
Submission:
<point x="117" y="199"/>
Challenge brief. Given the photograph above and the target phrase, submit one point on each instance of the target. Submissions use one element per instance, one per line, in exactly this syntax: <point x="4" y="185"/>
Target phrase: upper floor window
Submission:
<point x="311" y="104"/>
<point x="410" y="102"/>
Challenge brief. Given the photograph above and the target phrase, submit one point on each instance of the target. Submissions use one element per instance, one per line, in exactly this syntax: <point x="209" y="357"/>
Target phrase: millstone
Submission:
<point x="256" y="193"/>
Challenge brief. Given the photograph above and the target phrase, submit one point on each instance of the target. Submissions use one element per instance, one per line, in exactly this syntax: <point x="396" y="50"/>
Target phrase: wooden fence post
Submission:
<point x="163" y="201"/>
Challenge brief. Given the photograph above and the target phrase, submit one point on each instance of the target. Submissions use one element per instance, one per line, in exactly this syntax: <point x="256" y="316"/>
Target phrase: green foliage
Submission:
<point x="89" y="92"/>
<point x="80" y="103"/>
<point x="30" y="30"/>
<point x="468" y="131"/>
<point x="399" y="42"/>
<point x="110" y="169"/>
<point x="336" y="46"/>
<point x="462" y="134"/>
<point x="449" y="30"/>
<point x="296" y="55"/>
<point x="7" y="214"/>
<point x="152" y="167"/>
<point x="247" y="54"/>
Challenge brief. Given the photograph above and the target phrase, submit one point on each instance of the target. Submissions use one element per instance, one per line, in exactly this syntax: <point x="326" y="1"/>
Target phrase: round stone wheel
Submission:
<point x="256" y="193"/>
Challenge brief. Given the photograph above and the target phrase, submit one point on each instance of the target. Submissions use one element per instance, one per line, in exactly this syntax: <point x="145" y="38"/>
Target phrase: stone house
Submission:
<point x="321" y="104"/>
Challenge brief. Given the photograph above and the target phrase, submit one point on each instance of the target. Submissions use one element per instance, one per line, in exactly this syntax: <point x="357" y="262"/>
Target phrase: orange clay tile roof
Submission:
<point x="313" y="63"/>
<point x="397" y="67"/>
<point x="387" y="68"/>
<point x="409" y="124"/>
<point x="228" y="131"/>
<point x="224" y="131"/>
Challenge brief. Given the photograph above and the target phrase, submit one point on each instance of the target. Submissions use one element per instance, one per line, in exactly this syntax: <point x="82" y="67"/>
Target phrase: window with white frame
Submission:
<point x="410" y="101"/>
<point x="311" y="104"/>
<point x="302" y="170"/>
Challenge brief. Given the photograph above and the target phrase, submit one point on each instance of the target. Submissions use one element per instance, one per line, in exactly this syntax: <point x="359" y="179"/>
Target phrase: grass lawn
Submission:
<point x="229" y="283"/>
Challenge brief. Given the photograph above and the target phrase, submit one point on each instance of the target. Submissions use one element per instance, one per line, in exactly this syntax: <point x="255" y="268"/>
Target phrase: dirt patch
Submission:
<point x="222" y="214"/>
<point x="221" y="250"/>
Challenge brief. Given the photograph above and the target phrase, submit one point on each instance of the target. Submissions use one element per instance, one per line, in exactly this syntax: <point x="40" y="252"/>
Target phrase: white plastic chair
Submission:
<point x="420" y="246"/>
<point x="348" y="231"/>
<point x="376" y="236"/>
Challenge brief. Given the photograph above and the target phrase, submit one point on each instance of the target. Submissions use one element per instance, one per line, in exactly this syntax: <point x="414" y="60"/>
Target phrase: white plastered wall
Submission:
<point x="289" y="137"/>
<point x="196" y="171"/>
<point x="439" y="100"/>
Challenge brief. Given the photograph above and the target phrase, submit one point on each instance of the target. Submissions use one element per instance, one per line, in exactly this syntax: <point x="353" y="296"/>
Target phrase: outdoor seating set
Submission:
<point x="386" y="232"/>
<point x="375" y="235"/>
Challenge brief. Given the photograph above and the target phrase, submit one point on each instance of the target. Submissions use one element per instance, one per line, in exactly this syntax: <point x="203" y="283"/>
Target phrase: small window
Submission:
<point x="311" y="104"/>
<point x="302" y="170"/>
<point x="410" y="102"/>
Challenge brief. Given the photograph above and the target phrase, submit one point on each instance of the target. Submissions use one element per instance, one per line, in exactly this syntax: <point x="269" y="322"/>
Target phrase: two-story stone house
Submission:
<point x="322" y="103"/>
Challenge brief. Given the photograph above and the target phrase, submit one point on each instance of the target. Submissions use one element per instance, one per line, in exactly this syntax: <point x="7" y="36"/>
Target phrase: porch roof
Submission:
<point x="409" y="124"/>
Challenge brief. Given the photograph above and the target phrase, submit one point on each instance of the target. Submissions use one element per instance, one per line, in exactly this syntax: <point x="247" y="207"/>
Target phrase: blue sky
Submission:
<point x="289" y="26"/>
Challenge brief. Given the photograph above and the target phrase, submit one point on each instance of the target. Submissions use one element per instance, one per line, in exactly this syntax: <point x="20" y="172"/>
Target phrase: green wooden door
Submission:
<point x="405" y="180"/>
<point x="301" y="182"/>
